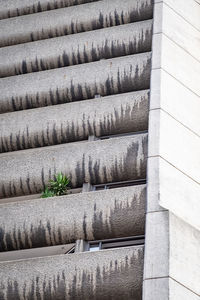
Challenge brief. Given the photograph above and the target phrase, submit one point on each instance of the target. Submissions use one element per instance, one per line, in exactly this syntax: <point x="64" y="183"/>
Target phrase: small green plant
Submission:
<point x="57" y="187"/>
<point x="47" y="193"/>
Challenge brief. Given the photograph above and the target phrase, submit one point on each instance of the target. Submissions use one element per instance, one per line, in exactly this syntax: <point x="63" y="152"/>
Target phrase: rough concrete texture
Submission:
<point x="73" y="19"/>
<point x="103" y="275"/>
<point x="35" y="252"/>
<point x="10" y="8"/>
<point x="75" y="49"/>
<point x="74" y="121"/>
<point x="59" y="220"/>
<point x="105" y="77"/>
<point x="28" y="171"/>
<point x="36" y="196"/>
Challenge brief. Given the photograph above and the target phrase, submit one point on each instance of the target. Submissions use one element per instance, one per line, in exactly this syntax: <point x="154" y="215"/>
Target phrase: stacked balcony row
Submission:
<point x="9" y="8"/>
<point x="62" y="220"/>
<point x="112" y="274"/>
<point x="75" y="83"/>
<point x="118" y="159"/>
<point x="72" y="20"/>
<point x="76" y="121"/>
<point x="76" y="49"/>
<point x="69" y="70"/>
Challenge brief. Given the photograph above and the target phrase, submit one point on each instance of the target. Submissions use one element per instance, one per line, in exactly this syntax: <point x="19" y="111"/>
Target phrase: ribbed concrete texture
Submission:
<point x="27" y="171"/>
<point x="75" y="49"/>
<point x="74" y="83"/>
<point x="74" y="121"/>
<point x="73" y="19"/>
<point x="10" y="8"/>
<point x="60" y="220"/>
<point x="107" y="274"/>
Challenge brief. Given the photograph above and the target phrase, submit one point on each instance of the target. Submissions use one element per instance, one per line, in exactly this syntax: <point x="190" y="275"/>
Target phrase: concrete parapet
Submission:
<point x="75" y="121"/>
<point x="106" y="274"/>
<point x="76" y="49"/>
<point x="35" y="252"/>
<point x="52" y="221"/>
<point x="10" y="8"/>
<point x="72" y="20"/>
<point x="117" y="159"/>
<point x="105" y="77"/>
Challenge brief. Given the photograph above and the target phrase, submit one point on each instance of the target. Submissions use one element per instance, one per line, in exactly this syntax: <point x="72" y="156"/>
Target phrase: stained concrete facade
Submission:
<point x="68" y="84"/>
<point x="74" y="19"/>
<point x="75" y="49"/>
<point x="77" y="276"/>
<point x="75" y="91"/>
<point x="28" y="171"/>
<point x="106" y="92"/>
<point x="89" y="216"/>
<point x="72" y="122"/>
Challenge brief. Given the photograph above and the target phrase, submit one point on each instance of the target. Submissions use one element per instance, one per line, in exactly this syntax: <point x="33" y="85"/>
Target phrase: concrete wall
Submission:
<point x="107" y="274"/>
<point x="76" y="49"/>
<point x="105" y="77"/>
<point x="184" y="265"/>
<point x="173" y="193"/>
<point x="60" y="220"/>
<point x="36" y="252"/>
<point x="74" y="121"/>
<point x="72" y="20"/>
<point x="9" y="8"/>
<point x="71" y="54"/>
<point x="117" y="159"/>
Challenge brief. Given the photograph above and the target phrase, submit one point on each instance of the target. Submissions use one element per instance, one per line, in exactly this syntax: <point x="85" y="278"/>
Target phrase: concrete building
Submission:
<point x="106" y="92"/>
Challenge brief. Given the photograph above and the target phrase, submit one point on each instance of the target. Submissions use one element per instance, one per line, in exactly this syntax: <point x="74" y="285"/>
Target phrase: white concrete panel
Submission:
<point x="166" y="289"/>
<point x="179" y="292"/>
<point x="179" y="146"/>
<point x="156" y="61"/>
<point x="170" y="189"/>
<point x="177" y="29"/>
<point x="177" y="193"/>
<point x="158" y="17"/>
<point x="153" y="185"/>
<point x="173" y="154"/>
<point x="175" y="143"/>
<point x="188" y="9"/>
<point x="173" y="97"/>
<point x="176" y="61"/>
<point x="156" y="289"/>
<point x="154" y="133"/>
<point x="156" y="245"/>
<point x="184" y="254"/>
<point x="155" y="88"/>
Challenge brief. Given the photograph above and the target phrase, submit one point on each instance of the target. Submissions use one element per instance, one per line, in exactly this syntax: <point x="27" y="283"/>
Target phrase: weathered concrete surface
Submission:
<point x="60" y="220"/>
<point x="75" y="49"/>
<point x="36" y="196"/>
<point x="10" y="8"/>
<point x="117" y="159"/>
<point x="105" y="77"/>
<point x="74" y="121"/>
<point x="35" y="252"/>
<point x="73" y="19"/>
<point x="106" y="274"/>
